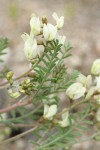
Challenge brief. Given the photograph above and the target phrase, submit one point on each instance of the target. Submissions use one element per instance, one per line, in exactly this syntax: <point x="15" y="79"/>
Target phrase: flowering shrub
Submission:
<point x="37" y="94"/>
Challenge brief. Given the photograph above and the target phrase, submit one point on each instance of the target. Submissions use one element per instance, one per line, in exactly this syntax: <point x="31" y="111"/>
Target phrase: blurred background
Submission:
<point x="82" y="29"/>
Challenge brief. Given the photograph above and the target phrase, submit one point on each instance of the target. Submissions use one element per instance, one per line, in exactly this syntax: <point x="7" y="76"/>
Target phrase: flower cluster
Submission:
<point x="83" y="87"/>
<point x="41" y="33"/>
<point x="46" y="30"/>
<point x="87" y="88"/>
<point x="50" y="114"/>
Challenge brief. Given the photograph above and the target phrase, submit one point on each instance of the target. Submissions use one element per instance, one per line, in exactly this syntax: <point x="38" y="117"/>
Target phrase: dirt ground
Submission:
<point x="82" y="29"/>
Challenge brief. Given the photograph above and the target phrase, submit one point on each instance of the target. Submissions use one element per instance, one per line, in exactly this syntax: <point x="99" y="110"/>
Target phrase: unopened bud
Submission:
<point x="44" y="20"/>
<point x="9" y="77"/>
<point x="14" y="94"/>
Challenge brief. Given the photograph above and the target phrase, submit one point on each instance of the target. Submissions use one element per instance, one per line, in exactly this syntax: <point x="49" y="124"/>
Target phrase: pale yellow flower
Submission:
<point x="98" y="115"/>
<point x="65" y="119"/>
<point x="35" y="25"/>
<point x="75" y="91"/>
<point x="49" y="111"/>
<point x="30" y="47"/>
<point x="86" y="81"/>
<point x="49" y="32"/>
<point x="59" y="20"/>
<point x="95" y="70"/>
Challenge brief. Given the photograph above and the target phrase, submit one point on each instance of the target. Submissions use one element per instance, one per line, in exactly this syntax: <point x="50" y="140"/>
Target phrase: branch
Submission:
<point x="18" y="104"/>
<point x="19" y="136"/>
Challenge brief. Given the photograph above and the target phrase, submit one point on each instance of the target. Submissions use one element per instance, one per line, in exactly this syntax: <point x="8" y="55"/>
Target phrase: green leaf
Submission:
<point x="3" y="45"/>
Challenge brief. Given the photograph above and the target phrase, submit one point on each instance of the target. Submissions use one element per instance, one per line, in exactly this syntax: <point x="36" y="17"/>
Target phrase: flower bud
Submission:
<point x="95" y="70"/>
<point x="49" y="111"/>
<point x="49" y="32"/>
<point x="9" y="77"/>
<point x="14" y="94"/>
<point x="35" y="25"/>
<point x="75" y="91"/>
<point x="44" y="20"/>
<point x="65" y="120"/>
<point x="59" y="20"/>
<point x="30" y="47"/>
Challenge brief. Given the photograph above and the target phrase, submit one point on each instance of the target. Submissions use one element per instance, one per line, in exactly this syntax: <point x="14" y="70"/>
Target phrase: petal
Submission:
<point x="45" y="31"/>
<point x="98" y="115"/>
<point x="55" y="16"/>
<point x="75" y="91"/>
<point x="52" y="111"/>
<point x="46" y="108"/>
<point x="95" y="70"/>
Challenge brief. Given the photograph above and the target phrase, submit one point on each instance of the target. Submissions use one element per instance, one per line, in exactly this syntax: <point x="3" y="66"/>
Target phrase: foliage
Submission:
<point x="3" y="45"/>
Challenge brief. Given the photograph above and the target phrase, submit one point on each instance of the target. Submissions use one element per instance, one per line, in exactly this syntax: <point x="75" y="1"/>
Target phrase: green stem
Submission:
<point x="55" y="140"/>
<point x="22" y="117"/>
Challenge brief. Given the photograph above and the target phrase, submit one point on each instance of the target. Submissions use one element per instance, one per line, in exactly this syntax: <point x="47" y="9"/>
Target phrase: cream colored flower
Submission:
<point x="30" y="47"/>
<point x="75" y="91"/>
<point x="90" y="93"/>
<point x="35" y="25"/>
<point x="61" y="39"/>
<point x="49" y="111"/>
<point x="49" y="32"/>
<point x="97" y="80"/>
<point x="98" y="115"/>
<point x="95" y="70"/>
<point x="86" y="81"/>
<point x="65" y="120"/>
<point x="59" y="20"/>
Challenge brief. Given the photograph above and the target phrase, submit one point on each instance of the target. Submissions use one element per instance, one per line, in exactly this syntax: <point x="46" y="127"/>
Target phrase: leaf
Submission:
<point x="3" y="45"/>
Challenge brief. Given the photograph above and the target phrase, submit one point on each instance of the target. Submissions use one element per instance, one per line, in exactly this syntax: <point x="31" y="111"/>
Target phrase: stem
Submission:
<point x="73" y="106"/>
<point x="53" y="141"/>
<point x="18" y="104"/>
<point x="19" y="136"/>
<point x="26" y="115"/>
<point x="18" y="125"/>
<point x="89" y="138"/>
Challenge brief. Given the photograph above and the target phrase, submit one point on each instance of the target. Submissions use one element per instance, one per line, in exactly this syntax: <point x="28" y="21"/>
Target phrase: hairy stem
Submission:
<point x="14" y="106"/>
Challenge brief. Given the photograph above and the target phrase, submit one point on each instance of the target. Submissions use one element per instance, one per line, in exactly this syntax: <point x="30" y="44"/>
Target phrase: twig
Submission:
<point x="19" y="136"/>
<point x="18" y="104"/>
